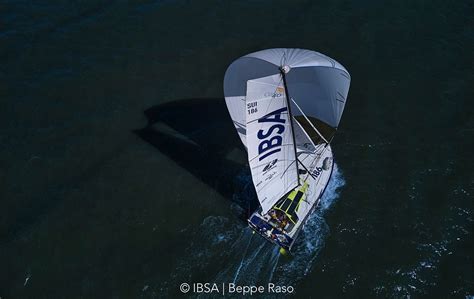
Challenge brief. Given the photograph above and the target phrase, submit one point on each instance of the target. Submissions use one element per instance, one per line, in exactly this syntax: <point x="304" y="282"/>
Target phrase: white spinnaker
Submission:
<point x="269" y="139"/>
<point x="236" y="107"/>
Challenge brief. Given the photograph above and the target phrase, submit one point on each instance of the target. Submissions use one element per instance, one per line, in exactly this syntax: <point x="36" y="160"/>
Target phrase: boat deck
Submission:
<point x="284" y="221"/>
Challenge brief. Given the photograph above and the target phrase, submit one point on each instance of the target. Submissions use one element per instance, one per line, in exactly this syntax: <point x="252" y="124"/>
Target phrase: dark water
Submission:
<point x="94" y="206"/>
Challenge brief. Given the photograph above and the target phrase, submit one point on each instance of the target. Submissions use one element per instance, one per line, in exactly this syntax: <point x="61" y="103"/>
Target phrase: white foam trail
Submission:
<point x="265" y="262"/>
<point x="253" y="260"/>
<point x="274" y="262"/>
<point x="243" y="259"/>
<point x="311" y="239"/>
<point x="248" y="265"/>
<point x="332" y="190"/>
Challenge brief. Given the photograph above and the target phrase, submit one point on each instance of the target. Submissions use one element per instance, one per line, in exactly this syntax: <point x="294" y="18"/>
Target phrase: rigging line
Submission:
<point x="302" y="164"/>
<point x="282" y="72"/>
<point x="274" y="92"/>
<point x="265" y="164"/>
<point x="304" y="115"/>
<point x="273" y="97"/>
<point x="314" y="162"/>
<point x="305" y="151"/>
<point x="306" y="169"/>
<point x="332" y="137"/>
<point x="305" y="134"/>
<point x="308" y="154"/>
<point x="296" y="160"/>
<point x="289" y="168"/>
<point x="252" y="121"/>
<point x="318" y="156"/>
<point x="250" y="160"/>
<point x="286" y="184"/>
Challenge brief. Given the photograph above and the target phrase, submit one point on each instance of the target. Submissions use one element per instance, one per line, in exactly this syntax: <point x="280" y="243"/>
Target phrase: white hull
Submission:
<point x="304" y="199"/>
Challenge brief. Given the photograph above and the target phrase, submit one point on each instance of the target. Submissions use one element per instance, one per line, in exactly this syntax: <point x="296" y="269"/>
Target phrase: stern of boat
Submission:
<point x="269" y="231"/>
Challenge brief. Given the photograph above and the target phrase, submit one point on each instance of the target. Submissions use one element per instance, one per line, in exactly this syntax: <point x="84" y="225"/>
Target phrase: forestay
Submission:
<point x="269" y="140"/>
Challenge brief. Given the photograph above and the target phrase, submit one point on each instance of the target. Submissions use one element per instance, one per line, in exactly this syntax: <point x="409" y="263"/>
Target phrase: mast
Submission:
<point x="283" y="70"/>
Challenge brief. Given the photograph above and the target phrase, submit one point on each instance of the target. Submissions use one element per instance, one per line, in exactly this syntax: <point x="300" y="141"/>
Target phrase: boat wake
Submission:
<point x="231" y="252"/>
<point x="262" y="262"/>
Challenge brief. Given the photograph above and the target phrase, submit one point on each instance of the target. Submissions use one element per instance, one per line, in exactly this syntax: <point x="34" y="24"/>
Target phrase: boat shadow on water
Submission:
<point x="197" y="135"/>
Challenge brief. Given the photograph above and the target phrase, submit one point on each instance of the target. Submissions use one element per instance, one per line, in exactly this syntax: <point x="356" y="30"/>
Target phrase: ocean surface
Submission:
<point x="121" y="175"/>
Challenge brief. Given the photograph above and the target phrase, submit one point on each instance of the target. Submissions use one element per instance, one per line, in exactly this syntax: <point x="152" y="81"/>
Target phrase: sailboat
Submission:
<point x="286" y="105"/>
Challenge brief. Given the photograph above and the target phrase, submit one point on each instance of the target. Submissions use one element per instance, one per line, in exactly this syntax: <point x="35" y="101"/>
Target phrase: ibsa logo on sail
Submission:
<point x="271" y="139"/>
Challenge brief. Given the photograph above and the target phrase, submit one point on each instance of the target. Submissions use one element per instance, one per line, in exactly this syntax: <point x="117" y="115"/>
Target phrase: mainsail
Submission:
<point x="318" y="87"/>
<point x="271" y="150"/>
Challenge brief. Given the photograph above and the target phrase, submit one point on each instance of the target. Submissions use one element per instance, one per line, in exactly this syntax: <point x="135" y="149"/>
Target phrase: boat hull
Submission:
<point x="304" y="198"/>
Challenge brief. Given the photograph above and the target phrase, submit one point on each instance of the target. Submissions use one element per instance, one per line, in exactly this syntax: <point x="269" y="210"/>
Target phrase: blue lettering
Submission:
<point x="274" y="116"/>
<point x="269" y="144"/>
<point x="273" y="145"/>
<point x="280" y="128"/>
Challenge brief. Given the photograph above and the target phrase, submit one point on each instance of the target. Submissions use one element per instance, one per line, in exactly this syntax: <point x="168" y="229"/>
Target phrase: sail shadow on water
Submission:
<point x="224" y="249"/>
<point x="194" y="133"/>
